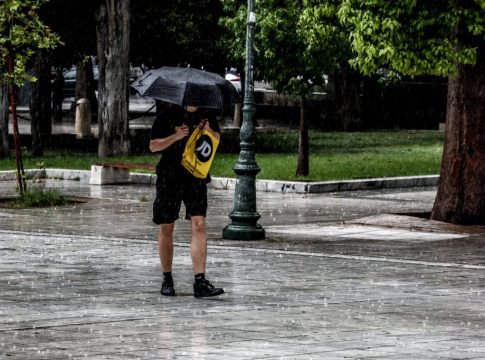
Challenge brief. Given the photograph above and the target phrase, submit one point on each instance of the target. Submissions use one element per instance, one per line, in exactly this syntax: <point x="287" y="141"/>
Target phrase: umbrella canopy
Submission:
<point x="186" y="86"/>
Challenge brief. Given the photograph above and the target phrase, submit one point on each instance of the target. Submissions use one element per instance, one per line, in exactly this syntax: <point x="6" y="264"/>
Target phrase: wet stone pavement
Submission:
<point x="336" y="278"/>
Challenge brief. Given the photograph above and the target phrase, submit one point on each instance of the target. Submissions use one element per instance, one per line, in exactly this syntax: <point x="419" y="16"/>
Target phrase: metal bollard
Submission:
<point x="82" y="126"/>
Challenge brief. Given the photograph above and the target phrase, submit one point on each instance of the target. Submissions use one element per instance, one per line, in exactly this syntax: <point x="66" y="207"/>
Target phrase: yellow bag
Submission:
<point x="199" y="152"/>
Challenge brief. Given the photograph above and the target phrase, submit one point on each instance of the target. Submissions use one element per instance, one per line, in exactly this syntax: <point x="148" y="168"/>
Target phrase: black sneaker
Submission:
<point x="167" y="288"/>
<point x="204" y="288"/>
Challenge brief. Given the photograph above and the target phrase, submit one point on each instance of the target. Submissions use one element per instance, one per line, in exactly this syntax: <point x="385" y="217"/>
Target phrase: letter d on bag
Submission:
<point x="204" y="148"/>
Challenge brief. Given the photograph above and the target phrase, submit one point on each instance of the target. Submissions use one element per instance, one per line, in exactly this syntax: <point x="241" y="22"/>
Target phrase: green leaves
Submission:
<point x="412" y="37"/>
<point x="21" y="34"/>
<point x="284" y="58"/>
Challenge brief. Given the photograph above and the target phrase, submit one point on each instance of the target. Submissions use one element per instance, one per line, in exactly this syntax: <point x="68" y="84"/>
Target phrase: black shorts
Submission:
<point x="172" y="190"/>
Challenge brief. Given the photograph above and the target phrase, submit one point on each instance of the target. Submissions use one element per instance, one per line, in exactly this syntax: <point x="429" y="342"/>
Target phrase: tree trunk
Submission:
<point x="303" y="166"/>
<point x="461" y="189"/>
<point x="22" y="186"/>
<point x="347" y="88"/>
<point x="85" y="86"/>
<point x="113" y="30"/>
<point x="4" y="143"/>
<point x="40" y="104"/>
<point x="81" y="90"/>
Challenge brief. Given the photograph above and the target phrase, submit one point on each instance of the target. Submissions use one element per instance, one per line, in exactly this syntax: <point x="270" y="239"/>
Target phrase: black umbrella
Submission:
<point x="186" y="86"/>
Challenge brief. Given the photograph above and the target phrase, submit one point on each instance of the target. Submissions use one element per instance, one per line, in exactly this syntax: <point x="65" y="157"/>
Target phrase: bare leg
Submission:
<point x="202" y="287"/>
<point x="165" y="246"/>
<point x="199" y="244"/>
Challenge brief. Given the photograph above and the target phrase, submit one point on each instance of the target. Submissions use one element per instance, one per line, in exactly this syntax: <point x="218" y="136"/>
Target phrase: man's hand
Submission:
<point x="161" y="144"/>
<point x="182" y="132"/>
<point x="204" y="124"/>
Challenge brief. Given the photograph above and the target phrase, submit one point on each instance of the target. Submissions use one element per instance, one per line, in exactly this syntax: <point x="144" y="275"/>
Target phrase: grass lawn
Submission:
<point x="333" y="156"/>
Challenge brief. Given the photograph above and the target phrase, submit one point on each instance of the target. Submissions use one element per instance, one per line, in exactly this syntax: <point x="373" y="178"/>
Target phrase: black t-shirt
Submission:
<point x="167" y="122"/>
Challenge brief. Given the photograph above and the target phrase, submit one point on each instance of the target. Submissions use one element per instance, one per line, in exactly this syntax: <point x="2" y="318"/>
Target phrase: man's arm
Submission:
<point x="161" y="144"/>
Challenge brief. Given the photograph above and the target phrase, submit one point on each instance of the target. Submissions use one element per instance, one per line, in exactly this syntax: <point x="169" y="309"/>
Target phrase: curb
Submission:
<point x="332" y="186"/>
<point x="298" y="187"/>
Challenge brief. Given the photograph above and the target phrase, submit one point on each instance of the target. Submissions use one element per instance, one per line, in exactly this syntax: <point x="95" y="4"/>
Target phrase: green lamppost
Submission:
<point x="244" y="216"/>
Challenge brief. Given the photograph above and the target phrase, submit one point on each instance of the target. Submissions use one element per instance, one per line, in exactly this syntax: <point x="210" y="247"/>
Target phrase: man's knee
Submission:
<point x="198" y="224"/>
<point x="166" y="230"/>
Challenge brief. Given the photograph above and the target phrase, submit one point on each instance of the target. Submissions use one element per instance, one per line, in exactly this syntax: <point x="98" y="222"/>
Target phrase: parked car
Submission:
<point x="235" y="79"/>
<point x="70" y="81"/>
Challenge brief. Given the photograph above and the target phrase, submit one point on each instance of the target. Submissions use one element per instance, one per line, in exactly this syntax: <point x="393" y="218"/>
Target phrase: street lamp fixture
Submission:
<point x="244" y="216"/>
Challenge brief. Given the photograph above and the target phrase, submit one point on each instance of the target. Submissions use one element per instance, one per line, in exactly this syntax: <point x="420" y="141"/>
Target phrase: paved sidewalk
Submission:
<point x="338" y="277"/>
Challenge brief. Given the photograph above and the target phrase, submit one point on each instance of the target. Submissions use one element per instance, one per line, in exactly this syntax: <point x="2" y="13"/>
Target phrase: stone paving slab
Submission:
<point x="82" y="281"/>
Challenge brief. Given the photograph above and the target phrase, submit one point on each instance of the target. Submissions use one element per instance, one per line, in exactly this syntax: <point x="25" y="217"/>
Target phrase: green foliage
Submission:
<point x="413" y="37"/>
<point x="21" y="34"/>
<point x="280" y="56"/>
<point x="37" y="197"/>
<point x="325" y="37"/>
<point x="234" y="21"/>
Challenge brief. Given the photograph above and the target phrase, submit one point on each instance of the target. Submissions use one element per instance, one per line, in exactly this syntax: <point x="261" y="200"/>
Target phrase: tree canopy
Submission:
<point x="413" y="37"/>
<point x="326" y="38"/>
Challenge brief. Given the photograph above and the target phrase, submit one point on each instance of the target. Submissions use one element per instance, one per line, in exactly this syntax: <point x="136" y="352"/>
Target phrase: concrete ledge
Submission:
<point x="370" y="184"/>
<point x="100" y="175"/>
<point x="331" y="186"/>
<point x="61" y="174"/>
<point x="222" y="183"/>
<point x="143" y="178"/>
<point x="82" y="176"/>
<point x="10" y="175"/>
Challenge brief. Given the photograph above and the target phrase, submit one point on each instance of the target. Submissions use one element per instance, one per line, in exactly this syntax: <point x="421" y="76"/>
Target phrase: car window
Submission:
<point x="70" y="75"/>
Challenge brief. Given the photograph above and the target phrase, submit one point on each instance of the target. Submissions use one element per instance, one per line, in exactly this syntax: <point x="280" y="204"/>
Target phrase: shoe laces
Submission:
<point x="207" y="283"/>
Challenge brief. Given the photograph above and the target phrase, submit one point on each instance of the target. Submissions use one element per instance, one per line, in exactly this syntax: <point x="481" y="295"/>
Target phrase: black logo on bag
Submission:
<point x="203" y="148"/>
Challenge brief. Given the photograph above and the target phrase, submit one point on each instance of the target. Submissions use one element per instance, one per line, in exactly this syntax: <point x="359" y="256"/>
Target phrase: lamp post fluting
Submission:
<point x="244" y="225"/>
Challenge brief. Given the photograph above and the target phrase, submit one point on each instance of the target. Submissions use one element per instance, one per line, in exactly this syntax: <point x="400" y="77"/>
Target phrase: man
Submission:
<point x="175" y="184"/>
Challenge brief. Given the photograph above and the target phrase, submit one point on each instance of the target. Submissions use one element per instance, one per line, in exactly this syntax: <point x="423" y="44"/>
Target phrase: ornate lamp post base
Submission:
<point x="244" y="226"/>
<point x="244" y="216"/>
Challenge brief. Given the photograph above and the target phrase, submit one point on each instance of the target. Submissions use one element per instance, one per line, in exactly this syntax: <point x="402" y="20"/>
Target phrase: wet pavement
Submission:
<point x="340" y="276"/>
